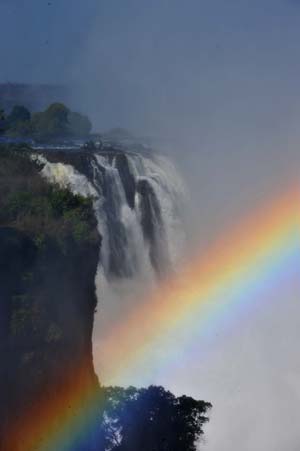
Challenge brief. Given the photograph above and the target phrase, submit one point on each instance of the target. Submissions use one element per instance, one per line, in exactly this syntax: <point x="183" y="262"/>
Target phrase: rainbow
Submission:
<point x="211" y="286"/>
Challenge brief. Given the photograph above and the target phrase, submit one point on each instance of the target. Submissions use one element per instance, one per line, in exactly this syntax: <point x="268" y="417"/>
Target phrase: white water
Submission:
<point x="129" y="261"/>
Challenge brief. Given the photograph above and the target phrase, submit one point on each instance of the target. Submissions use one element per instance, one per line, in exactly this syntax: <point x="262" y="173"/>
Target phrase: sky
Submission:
<point x="215" y="83"/>
<point x="148" y="65"/>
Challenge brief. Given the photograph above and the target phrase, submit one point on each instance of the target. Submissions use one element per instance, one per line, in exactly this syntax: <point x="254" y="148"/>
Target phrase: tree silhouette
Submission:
<point x="18" y="114"/>
<point x="2" y="121"/>
<point x="51" y="123"/>
<point x="151" y="419"/>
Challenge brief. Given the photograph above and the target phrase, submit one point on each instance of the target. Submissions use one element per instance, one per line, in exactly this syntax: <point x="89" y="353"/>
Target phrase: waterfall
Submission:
<point x="138" y="201"/>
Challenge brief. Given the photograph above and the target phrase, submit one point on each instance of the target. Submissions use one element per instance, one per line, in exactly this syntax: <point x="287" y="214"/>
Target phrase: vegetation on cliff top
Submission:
<point x="56" y="122"/>
<point x="30" y="204"/>
<point x="47" y="296"/>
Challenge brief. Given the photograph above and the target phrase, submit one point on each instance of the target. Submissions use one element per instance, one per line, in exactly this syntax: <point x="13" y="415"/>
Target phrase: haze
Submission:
<point x="216" y="84"/>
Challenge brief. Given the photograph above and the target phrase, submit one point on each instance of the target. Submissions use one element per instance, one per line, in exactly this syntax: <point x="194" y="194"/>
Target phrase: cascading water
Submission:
<point x="122" y="249"/>
<point x="138" y="202"/>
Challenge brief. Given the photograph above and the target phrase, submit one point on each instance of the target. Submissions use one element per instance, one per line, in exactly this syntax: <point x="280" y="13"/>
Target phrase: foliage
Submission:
<point x="51" y="123"/>
<point x="56" y="122"/>
<point x="18" y="122"/>
<point x="18" y="114"/>
<point x="151" y="419"/>
<point x="29" y="203"/>
<point x="21" y="129"/>
<point x="2" y="121"/>
<point x="47" y="230"/>
<point x="49" y="250"/>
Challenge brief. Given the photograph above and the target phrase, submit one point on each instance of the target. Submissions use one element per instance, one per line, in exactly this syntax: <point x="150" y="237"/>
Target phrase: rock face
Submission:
<point x="139" y="199"/>
<point x="64" y="215"/>
<point x="47" y="306"/>
<point x="47" y="294"/>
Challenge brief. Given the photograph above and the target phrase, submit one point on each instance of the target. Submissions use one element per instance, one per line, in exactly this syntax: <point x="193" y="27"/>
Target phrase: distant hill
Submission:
<point x="35" y="97"/>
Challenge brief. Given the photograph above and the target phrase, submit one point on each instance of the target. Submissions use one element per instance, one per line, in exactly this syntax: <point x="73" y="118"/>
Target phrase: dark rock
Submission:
<point x="152" y="226"/>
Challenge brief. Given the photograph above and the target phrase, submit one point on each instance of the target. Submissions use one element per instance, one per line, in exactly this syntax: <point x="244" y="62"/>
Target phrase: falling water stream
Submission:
<point x="138" y="202"/>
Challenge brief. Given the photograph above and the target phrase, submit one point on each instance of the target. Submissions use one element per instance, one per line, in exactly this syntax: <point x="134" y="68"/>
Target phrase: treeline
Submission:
<point x="56" y="122"/>
<point x="150" y="419"/>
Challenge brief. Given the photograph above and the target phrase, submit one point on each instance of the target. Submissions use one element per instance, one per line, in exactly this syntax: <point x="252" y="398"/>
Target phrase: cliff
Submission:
<point x="53" y="209"/>
<point x="49" y="250"/>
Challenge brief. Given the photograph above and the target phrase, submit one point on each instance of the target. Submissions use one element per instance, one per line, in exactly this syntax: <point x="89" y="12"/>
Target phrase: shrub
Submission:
<point x="30" y="203"/>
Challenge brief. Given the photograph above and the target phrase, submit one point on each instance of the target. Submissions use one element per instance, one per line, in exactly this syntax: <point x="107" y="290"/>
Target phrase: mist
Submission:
<point x="215" y="85"/>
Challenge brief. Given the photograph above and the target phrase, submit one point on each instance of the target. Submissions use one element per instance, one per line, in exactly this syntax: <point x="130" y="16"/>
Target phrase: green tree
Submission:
<point x="56" y="122"/>
<point x="52" y="123"/>
<point x="18" y="122"/>
<point x="2" y="121"/>
<point x="20" y="129"/>
<point x="151" y="419"/>
<point x="18" y="114"/>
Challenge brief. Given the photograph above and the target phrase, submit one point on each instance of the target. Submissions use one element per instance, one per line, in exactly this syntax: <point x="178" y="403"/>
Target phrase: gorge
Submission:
<point x="104" y="218"/>
<point x="138" y="201"/>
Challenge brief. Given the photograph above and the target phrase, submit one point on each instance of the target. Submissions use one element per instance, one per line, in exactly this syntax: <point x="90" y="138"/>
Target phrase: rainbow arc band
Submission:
<point x="253" y="254"/>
